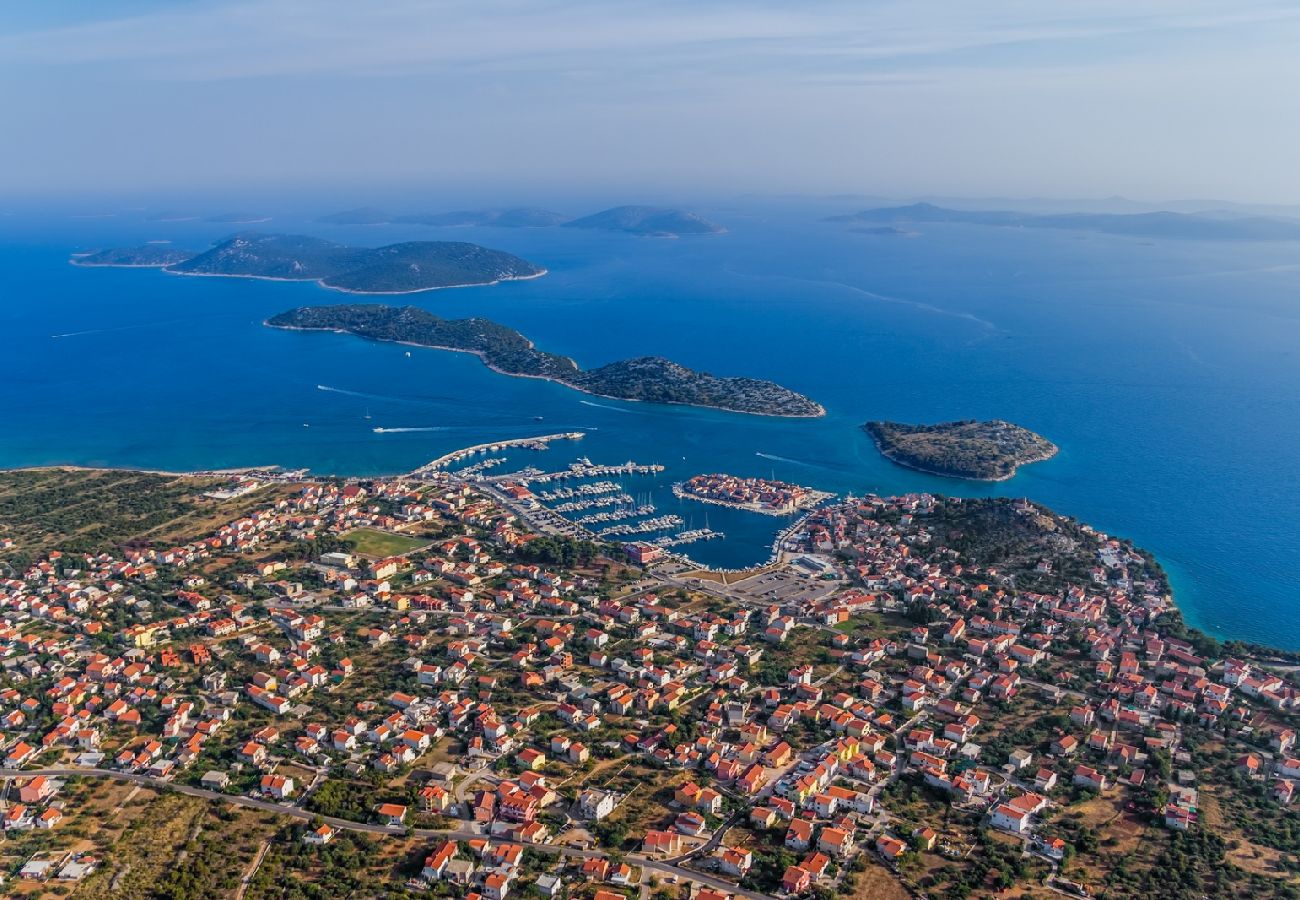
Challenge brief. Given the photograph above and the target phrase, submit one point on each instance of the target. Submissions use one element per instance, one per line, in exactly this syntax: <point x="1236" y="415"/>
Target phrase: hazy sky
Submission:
<point x="1146" y="98"/>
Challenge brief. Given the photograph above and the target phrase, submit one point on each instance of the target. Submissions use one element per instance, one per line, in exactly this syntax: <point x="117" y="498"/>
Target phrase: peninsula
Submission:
<point x="760" y="495"/>
<point x="505" y="350"/>
<point x="982" y="451"/>
<point x="146" y="256"/>
<point x="403" y="268"/>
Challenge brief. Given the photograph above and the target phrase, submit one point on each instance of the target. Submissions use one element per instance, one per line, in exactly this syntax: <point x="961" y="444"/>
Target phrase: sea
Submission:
<point x="1168" y="372"/>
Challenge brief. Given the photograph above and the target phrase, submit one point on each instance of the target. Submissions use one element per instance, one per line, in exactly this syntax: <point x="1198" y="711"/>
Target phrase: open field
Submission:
<point x="372" y="542"/>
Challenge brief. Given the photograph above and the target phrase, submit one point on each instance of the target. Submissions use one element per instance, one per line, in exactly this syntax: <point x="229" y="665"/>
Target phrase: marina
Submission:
<point x="644" y="527"/>
<point x="585" y="468"/>
<point x="614" y="515"/>
<point x="593" y="502"/>
<point x="585" y="490"/>
<point x="687" y="537"/>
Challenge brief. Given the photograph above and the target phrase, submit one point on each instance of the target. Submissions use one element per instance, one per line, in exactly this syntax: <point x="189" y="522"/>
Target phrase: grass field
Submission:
<point x="371" y="542"/>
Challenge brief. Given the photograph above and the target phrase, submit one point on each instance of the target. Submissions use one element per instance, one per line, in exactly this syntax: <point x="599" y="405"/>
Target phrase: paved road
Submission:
<point x="665" y="867"/>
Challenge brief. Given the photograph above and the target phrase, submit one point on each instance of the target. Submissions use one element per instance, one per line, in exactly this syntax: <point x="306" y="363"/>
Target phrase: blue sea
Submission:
<point x="1167" y="371"/>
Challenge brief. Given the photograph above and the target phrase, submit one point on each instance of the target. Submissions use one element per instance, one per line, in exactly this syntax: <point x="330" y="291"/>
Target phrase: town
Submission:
<point x="424" y="684"/>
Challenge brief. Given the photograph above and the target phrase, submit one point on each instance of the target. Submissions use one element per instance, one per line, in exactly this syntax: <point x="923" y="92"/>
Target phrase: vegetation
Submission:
<point x="985" y="451"/>
<point x="83" y="511"/>
<point x="647" y="378"/>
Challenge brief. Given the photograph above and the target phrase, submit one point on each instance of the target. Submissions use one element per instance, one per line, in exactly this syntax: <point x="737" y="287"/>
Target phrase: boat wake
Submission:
<point x="773" y="456"/>
<point x="411" y="430"/>
<point x="604" y="406"/>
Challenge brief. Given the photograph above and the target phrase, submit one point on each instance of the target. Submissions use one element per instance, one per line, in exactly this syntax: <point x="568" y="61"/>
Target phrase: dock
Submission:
<point x="531" y="443"/>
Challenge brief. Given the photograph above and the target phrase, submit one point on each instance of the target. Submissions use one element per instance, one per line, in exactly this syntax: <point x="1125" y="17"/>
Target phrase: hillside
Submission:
<point x="647" y="220"/>
<point x="983" y="451"/>
<point x="658" y="380"/>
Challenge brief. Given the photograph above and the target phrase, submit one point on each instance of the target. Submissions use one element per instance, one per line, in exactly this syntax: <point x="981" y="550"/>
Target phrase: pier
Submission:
<point x="532" y="443"/>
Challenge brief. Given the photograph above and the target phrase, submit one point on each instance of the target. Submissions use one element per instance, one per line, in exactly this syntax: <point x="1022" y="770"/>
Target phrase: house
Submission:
<point x="889" y="847"/>
<point x="320" y="836"/>
<point x="796" y="880"/>
<point x="595" y="805"/>
<point x="391" y="813"/>
<point x="798" y="837"/>
<point x="664" y="842"/>
<point x="1087" y="777"/>
<point x="278" y="786"/>
<point x="837" y="842"/>
<point x="734" y="861"/>
<point x="1009" y="818"/>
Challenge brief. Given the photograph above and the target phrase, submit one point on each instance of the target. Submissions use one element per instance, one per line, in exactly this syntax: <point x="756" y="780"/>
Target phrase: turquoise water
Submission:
<point x="1168" y="372"/>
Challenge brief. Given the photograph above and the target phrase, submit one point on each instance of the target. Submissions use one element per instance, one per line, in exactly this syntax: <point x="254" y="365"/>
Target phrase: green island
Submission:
<point x="652" y="379"/>
<point x="983" y="451"/>
<point x="402" y="268"/>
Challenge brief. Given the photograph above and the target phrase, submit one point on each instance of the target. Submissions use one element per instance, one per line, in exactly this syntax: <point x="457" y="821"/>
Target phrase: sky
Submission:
<point x="1154" y="99"/>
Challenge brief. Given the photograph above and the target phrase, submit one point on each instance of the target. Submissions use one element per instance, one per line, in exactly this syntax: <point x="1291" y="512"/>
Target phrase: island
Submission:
<point x="760" y="495"/>
<point x="363" y="215"/>
<point x="651" y="379"/>
<point x="981" y="451"/>
<point x="648" y="221"/>
<point x="1171" y="225"/>
<point x="518" y="217"/>
<point x="403" y="268"/>
<point x="238" y="218"/>
<point x="146" y="256"/>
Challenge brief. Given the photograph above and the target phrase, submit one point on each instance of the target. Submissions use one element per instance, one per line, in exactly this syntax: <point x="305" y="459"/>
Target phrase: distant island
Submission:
<point x="238" y="218"/>
<point x="647" y="221"/>
<point x="650" y="221"/>
<point x="885" y="230"/>
<point x="983" y="451"/>
<point x="395" y="269"/>
<point x="365" y="215"/>
<point x="519" y="217"/>
<point x="1186" y="226"/>
<point x="505" y="350"/>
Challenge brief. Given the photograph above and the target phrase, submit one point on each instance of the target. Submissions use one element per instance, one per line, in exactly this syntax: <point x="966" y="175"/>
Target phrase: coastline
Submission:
<point x="483" y="358"/>
<point x="1015" y="469"/>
